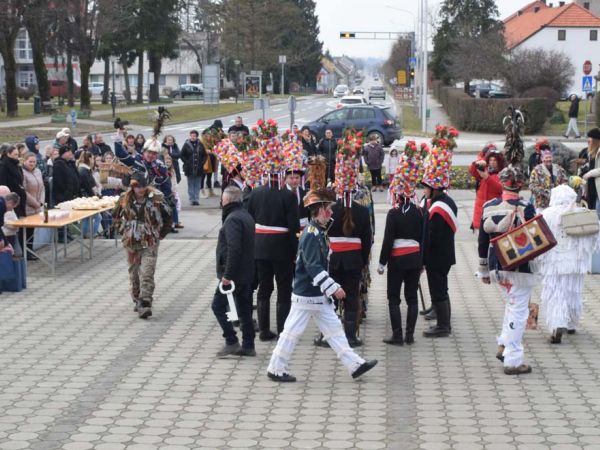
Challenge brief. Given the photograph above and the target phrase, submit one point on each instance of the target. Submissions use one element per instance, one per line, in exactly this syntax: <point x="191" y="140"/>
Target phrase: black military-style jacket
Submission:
<point x="404" y="237"/>
<point x="443" y="223"/>
<point x="350" y="252"/>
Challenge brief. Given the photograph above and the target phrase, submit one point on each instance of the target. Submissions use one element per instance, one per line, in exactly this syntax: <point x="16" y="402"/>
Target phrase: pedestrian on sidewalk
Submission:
<point x="403" y="245"/>
<point x="564" y="267"/>
<point x="235" y="270"/>
<point x="573" y="114"/>
<point x="142" y="217"/>
<point x="312" y="297"/>
<point x="374" y="155"/>
<point x="193" y="156"/>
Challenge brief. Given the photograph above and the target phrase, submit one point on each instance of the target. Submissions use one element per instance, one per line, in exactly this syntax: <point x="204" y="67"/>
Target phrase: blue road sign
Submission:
<point x="586" y="84"/>
<point x="412" y="61"/>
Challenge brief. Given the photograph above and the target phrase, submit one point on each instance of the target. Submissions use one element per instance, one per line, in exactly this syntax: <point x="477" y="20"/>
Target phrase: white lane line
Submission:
<point x="278" y="109"/>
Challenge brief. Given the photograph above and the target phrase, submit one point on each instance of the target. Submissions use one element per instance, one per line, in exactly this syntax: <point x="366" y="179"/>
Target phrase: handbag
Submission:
<point x="7" y="266"/>
<point x="523" y="243"/>
<point x="207" y="167"/>
<point x="580" y="223"/>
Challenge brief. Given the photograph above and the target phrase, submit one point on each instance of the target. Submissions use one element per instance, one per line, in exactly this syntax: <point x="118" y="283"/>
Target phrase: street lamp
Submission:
<point x="113" y="96"/>
<point x="236" y="63"/>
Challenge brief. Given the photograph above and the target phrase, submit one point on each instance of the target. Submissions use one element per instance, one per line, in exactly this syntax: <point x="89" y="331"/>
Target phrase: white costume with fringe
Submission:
<point x="564" y="267"/>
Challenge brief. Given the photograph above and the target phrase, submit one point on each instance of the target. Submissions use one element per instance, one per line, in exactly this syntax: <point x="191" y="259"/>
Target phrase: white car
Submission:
<point x="341" y="90"/>
<point x="352" y="100"/>
<point x="96" y="87"/>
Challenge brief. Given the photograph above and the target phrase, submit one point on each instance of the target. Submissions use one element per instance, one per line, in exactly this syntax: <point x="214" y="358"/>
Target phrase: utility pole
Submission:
<point x="424" y="66"/>
<point x="282" y="61"/>
<point x="113" y="95"/>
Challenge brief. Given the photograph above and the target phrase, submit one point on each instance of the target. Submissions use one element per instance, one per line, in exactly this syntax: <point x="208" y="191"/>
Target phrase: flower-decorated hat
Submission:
<point x="228" y="155"/>
<point x="408" y="172"/>
<point x="436" y="170"/>
<point x="292" y="154"/>
<point x="347" y="164"/>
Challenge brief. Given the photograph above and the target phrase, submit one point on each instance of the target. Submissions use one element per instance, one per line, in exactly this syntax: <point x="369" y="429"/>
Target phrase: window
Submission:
<point x="195" y="78"/>
<point x="182" y="79"/>
<point x="586" y="5"/>
<point x="363" y="114"/>
<point x="340" y="114"/>
<point x="133" y="81"/>
<point x="26" y="77"/>
<point x="593" y="35"/>
<point x="162" y="80"/>
<point x="95" y="78"/>
<point x="562" y="35"/>
<point x="23" y="46"/>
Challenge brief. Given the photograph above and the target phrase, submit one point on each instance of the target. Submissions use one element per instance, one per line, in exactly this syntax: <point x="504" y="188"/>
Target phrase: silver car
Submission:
<point x="341" y="90"/>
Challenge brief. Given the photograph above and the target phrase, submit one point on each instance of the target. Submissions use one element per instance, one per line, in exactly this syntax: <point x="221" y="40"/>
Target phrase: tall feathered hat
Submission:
<point x="408" y="172"/>
<point x="347" y="165"/>
<point x="437" y="165"/>
<point x="512" y="177"/>
<point x="160" y="117"/>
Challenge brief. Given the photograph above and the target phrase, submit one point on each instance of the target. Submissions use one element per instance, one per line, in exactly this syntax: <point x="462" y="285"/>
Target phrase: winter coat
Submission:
<point x="235" y="245"/>
<point x="193" y="155"/>
<point x="373" y="155"/>
<point x="175" y="153"/>
<point x="87" y="183"/>
<point x="308" y="147"/>
<point x="328" y="149"/>
<point x="65" y="180"/>
<point x="404" y="238"/>
<point x="30" y="142"/>
<point x="33" y="183"/>
<point x="11" y="176"/>
<point x="241" y="129"/>
<point x="350" y="252"/>
<point x="488" y="189"/>
<point x="443" y="223"/>
<point x="574" y="108"/>
<point x="156" y="170"/>
<point x="391" y="162"/>
<point x="541" y="181"/>
<point x="104" y="148"/>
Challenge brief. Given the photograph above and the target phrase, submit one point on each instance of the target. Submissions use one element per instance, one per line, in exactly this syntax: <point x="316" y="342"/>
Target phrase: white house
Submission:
<point x="569" y="28"/>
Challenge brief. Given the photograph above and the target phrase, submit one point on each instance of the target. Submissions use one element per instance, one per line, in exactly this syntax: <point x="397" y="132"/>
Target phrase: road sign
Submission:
<point x="282" y="59"/>
<point x="402" y="77"/>
<point x="412" y="61"/>
<point x="586" y="84"/>
<point x="587" y="67"/>
<point x="347" y="35"/>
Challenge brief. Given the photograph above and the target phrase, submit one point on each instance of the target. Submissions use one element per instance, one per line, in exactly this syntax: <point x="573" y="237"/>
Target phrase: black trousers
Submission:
<point x="375" y="177"/>
<point x="208" y="178"/>
<point x="437" y="280"/>
<point x="395" y="279"/>
<point x="283" y="272"/>
<point x="243" y="303"/>
<point x="350" y="282"/>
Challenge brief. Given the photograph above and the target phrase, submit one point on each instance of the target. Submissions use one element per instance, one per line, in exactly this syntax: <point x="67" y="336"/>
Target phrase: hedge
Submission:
<point x="486" y="114"/>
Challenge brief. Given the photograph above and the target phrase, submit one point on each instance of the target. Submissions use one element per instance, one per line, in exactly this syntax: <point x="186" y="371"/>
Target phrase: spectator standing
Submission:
<point x="70" y="141"/>
<point x="373" y="155"/>
<point x="140" y="140"/>
<point x="239" y="127"/>
<point x="65" y="179"/>
<point x="102" y="146"/>
<point x="11" y="175"/>
<point x="130" y="146"/>
<point x="193" y="155"/>
<point x="543" y="178"/>
<point x="33" y="183"/>
<point x="591" y="172"/>
<point x="11" y="201"/>
<point x="171" y="148"/>
<point x="536" y="157"/>
<point x="573" y="113"/>
<point x="328" y="149"/>
<point x="213" y="133"/>
<point x="308" y="144"/>
<point x="88" y="146"/>
<point x="33" y="145"/>
<point x="176" y="207"/>
<point x="390" y="163"/>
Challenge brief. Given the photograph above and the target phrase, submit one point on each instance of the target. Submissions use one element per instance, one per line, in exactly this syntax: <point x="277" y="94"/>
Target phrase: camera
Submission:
<point x="481" y="165"/>
<point x="120" y="124"/>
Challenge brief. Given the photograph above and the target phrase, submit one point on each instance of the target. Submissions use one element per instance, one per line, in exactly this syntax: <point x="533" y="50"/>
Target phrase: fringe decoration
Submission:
<point x="562" y="300"/>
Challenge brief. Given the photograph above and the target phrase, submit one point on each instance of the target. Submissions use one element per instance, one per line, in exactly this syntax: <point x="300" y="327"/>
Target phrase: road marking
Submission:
<point x="278" y="109"/>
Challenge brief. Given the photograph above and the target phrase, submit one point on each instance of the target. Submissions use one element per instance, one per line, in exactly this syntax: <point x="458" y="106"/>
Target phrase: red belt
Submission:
<point x="343" y="244"/>
<point x="264" y="229"/>
<point x="405" y="251"/>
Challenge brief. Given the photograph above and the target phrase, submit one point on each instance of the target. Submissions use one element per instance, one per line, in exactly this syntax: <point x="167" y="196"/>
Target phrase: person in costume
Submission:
<point x="499" y="215"/>
<point x="543" y="178"/>
<point x="142" y="217"/>
<point x="564" y="267"/>
<point x="275" y="212"/>
<point x="312" y="296"/>
<point x="439" y="254"/>
<point x="485" y="171"/>
<point x="535" y="159"/>
<point x="403" y="244"/>
<point x="350" y="235"/>
<point x="293" y="177"/>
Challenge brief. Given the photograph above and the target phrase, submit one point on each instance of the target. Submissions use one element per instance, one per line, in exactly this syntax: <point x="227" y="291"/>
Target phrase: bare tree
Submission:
<point x="10" y="23"/>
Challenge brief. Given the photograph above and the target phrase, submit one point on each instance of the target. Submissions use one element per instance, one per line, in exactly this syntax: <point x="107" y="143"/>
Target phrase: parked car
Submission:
<point x="96" y="87"/>
<point x="373" y="120"/>
<point x="58" y="88"/>
<point x="358" y="91"/>
<point x="487" y="90"/>
<point x="341" y="90"/>
<point x="376" y="92"/>
<point x="187" y="90"/>
<point x="351" y="100"/>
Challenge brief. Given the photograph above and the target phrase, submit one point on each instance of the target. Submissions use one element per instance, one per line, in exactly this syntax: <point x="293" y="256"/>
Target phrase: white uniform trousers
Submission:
<point x="515" y="320"/>
<point x="329" y="324"/>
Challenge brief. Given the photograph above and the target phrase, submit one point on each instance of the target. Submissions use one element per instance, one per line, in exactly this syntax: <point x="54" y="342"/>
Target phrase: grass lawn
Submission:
<point x="48" y="131"/>
<point x="183" y="114"/>
<point x="410" y="122"/>
<point x="558" y="129"/>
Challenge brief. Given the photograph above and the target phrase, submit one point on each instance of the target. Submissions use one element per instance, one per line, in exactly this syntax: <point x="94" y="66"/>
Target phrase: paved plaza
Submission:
<point x="79" y="370"/>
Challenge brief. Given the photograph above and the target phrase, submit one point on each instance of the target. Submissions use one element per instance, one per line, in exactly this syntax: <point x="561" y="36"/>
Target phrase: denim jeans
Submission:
<point x="85" y="225"/>
<point x="194" y="188"/>
<point x="243" y="303"/>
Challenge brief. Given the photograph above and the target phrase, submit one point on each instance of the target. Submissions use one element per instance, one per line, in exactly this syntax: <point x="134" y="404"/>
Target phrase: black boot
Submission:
<point x="426" y="311"/>
<point x="442" y="328"/>
<point x="264" y="322"/>
<point x="144" y="309"/>
<point x="350" y="329"/>
<point x="282" y="312"/>
<point x="411" y="322"/>
<point x="396" y="320"/>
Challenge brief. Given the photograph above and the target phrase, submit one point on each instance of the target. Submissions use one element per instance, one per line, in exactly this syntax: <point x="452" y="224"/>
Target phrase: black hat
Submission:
<point x="139" y="179"/>
<point x="594" y="133"/>
<point x="64" y="149"/>
<point x="217" y="124"/>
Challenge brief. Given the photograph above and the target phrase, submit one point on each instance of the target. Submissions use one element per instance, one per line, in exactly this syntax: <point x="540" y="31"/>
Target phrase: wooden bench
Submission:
<point x="49" y="107"/>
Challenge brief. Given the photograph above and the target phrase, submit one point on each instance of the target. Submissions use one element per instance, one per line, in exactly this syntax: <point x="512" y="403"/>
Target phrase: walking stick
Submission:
<point x="421" y="295"/>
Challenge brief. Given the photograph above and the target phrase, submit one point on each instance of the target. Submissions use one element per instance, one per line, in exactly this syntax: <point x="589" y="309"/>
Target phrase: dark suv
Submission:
<point x="373" y="120"/>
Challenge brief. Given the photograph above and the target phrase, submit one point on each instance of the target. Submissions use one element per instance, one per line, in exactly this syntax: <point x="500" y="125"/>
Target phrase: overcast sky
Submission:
<point x="375" y="15"/>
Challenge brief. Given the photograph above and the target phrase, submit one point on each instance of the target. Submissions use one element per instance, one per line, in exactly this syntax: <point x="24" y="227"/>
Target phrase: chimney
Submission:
<point x="519" y="12"/>
<point x="586" y="5"/>
<point x="561" y="4"/>
<point x="550" y="5"/>
<point x="536" y="9"/>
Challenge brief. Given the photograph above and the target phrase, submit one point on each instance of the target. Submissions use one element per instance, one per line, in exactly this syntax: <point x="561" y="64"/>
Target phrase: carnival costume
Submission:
<point x="403" y="243"/>
<point x="564" y="267"/>
<point x="542" y="179"/>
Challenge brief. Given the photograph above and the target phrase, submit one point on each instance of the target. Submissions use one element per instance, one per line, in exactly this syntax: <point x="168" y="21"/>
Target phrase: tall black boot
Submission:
<point x="431" y="315"/>
<point x="442" y="328"/>
<point x="411" y="322"/>
<point x="264" y="322"/>
<point x="396" y="320"/>
<point x="350" y="329"/>
<point x="283" y="309"/>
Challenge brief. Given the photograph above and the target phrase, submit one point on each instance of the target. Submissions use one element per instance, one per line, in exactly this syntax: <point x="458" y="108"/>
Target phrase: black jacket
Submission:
<point x="404" y="222"/>
<point x="193" y="156"/>
<point x="439" y="253"/>
<point x="309" y="148"/>
<point x="574" y="109"/>
<point x="328" y="149"/>
<point x="303" y="212"/>
<point x="241" y="129"/>
<point x="534" y="160"/>
<point x="235" y="246"/>
<point x="104" y="148"/>
<point x="11" y="176"/>
<point x="174" y="152"/>
<point x="86" y="182"/>
<point x="65" y="180"/>
<point x="352" y="259"/>
<point x="275" y="208"/>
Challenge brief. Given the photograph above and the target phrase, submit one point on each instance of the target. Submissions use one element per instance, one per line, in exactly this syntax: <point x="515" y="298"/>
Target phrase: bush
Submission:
<point x="26" y="92"/>
<point x="547" y="93"/>
<point x="227" y="93"/>
<point x="460" y="178"/>
<point x="486" y="114"/>
<point x="557" y="117"/>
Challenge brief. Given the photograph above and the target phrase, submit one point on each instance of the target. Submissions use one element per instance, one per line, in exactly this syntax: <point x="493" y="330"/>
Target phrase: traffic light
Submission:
<point x="347" y="35"/>
<point x="412" y="74"/>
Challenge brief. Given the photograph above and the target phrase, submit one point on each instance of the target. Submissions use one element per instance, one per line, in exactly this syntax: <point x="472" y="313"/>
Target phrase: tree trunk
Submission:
<point x="10" y="75"/>
<point x="106" y="88"/>
<point x="38" y="41"/>
<point x="126" y="75"/>
<point x="69" y="69"/>
<point x="84" y="66"/>
<point x="140" y="86"/>
<point x="154" y="67"/>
